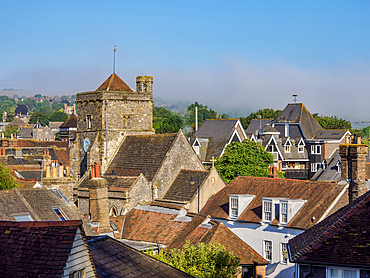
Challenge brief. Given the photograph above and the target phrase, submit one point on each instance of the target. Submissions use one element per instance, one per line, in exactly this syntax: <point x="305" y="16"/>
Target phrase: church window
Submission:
<point x="88" y="119"/>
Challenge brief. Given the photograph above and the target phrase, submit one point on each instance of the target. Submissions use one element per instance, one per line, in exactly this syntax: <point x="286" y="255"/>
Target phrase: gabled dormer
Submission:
<point x="272" y="147"/>
<point x="287" y="145"/>
<point x="280" y="210"/>
<point x="301" y="145"/>
<point x="196" y="146"/>
<point x="238" y="203"/>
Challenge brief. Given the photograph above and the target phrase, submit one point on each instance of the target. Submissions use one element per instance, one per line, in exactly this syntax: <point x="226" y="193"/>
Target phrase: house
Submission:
<point x="116" y="259"/>
<point x="184" y="189"/>
<point x="36" y="132"/>
<point x="296" y="140"/>
<point x="68" y="129"/>
<point x="44" y="249"/>
<point x="212" y="137"/>
<point x="54" y="126"/>
<point x="171" y="227"/>
<point x="338" y="246"/>
<point x="267" y="212"/>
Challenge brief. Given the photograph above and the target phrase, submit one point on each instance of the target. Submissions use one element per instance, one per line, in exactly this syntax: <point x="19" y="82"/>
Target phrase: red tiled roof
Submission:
<point x="63" y="155"/>
<point x="34" y="143"/>
<point x="319" y="196"/>
<point x="31" y="249"/>
<point x="341" y="239"/>
<point x="114" y="83"/>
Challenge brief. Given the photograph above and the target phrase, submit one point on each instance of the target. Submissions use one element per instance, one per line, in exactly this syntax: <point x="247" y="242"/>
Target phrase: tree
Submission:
<point x="244" y="159"/>
<point x="202" y="260"/>
<point x="64" y="97"/>
<point x="266" y="113"/>
<point x="9" y="130"/>
<point x="9" y="117"/>
<point x="166" y="121"/>
<point x="21" y="109"/>
<point x="39" y="116"/>
<point x="7" y="181"/>
<point x="56" y="106"/>
<point x="332" y="122"/>
<point x="38" y="96"/>
<point x="58" y="117"/>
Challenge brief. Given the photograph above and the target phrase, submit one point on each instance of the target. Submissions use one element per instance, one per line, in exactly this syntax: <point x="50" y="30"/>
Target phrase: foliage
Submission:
<point x="9" y="117"/>
<point x="365" y="131"/>
<point x="9" y="130"/>
<point x="332" y="122"/>
<point x="7" y="181"/>
<point x="204" y="113"/>
<point x="202" y="260"/>
<point x="39" y="116"/>
<point x="64" y="97"/>
<point x="58" y="117"/>
<point x="38" y="96"/>
<point x="22" y="109"/>
<point x="244" y="159"/>
<point x="56" y="106"/>
<point x="266" y="113"/>
<point x="356" y="132"/>
<point x="57" y="136"/>
<point x="165" y="121"/>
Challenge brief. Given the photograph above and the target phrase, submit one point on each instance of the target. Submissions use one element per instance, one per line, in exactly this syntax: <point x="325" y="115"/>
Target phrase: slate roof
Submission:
<point x="218" y="132"/>
<point x="70" y="122"/>
<point x="115" y="259"/>
<point x="36" y="249"/>
<point x="333" y="134"/>
<point x="114" y="83"/>
<point x="174" y="231"/>
<point x="17" y="122"/>
<point x="114" y="182"/>
<point x="181" y="189"/>
<point x="254" y="125"/>
<point x="38" y="203"/>
<point x="341" y="239"/>
<point x="33" y="175"/>
<point x="144" y="153"/>
<point x="298" y="113"/>
<point x="26" y="133"/>
<point x="293" y="155"/>
<point x="319" y="196"/>
<point x="37" y="125"/>
<point x="55" y="125"/>
<point x="332" y="172"/>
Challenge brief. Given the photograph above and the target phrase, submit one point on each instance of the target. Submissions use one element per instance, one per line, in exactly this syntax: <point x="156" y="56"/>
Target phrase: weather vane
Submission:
<point x="114" y="59"/>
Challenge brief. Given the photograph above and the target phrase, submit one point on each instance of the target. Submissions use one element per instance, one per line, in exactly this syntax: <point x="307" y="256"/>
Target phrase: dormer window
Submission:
<point x="287" y="149"/>
<point x="234" y="206"/>
<point x="283" y="212"/>
<point x="267" y="210"/>
<point x="196" y="146"/>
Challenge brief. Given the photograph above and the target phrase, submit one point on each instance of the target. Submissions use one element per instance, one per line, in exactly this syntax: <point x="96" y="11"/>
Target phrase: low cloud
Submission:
<point x="233" y="85"/>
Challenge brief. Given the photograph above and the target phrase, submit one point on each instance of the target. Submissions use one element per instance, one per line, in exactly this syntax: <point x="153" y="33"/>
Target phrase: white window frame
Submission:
<point x="315" y="149"/>
<point x="20" y="217"/>
<point x="287" y="148"/>
<point x="315" y="167"/>
<point x="284" y="248"/>
<point x="267" y="210"/>
<point x="283" y="217"/>
<point x="234" y="207"/>
<point x="301" y="148"/>
<point x="267" y="250"/>
<point x="342" y="270"/>
<point x="196" y="149"/>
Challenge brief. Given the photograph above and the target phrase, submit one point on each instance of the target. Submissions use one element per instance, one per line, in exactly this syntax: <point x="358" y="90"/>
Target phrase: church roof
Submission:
<point x="37" y="125"/>
<point x="142" y="153"/>
<point x="114" y="83"/>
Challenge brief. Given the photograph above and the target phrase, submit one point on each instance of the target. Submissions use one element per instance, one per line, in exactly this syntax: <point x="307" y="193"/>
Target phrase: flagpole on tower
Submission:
<point x="114" y="59"/>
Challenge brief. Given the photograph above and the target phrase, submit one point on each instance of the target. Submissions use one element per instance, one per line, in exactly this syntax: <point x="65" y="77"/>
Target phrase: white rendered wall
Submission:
<point x="254" y="235"/>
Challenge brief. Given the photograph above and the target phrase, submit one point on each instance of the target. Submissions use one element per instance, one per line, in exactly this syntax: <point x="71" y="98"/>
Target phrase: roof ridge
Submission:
<point x="337" y="223"/>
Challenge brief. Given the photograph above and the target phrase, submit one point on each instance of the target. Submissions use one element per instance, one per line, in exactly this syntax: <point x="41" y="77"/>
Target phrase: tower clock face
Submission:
<point x="86" y="144"/>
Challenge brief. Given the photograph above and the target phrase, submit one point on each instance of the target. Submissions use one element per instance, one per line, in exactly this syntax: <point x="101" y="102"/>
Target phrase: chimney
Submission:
<point x="99" y="204"/>
<point x="353" y="161"/>
<point x="196" y="116"/>
<point x="273" y="173"/>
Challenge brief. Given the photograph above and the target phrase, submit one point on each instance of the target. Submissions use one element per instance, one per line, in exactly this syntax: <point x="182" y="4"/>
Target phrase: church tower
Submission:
<point x="106" y="116"/>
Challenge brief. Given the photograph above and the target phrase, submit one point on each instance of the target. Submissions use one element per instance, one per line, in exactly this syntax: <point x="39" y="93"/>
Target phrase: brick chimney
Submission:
<point x="273" y="173"/>
<point x="353" y="161"/>
<point x="99" y="203"/>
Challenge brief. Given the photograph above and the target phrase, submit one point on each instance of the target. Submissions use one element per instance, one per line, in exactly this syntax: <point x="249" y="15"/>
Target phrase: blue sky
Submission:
<point x="242" y="55"/>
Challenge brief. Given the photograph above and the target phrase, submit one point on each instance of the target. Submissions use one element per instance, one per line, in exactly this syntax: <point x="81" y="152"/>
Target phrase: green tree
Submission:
<point x="73" y="97"/>
<point x="332" y="122"/>
<point x="202" y="260"/>
<point x="7" y="181"/>
<point x="45" y="103"/>
<point x="56" y="106"/>
<point x="9" y="130"/>
<point x="64" y="97"/>
<point x="166" y="121"/>
<point x="57" y="136"/>
<point x="365" y="131"/>
<point x="58" y="117"/>
<point x="204" y="113"/>
<point x="39" y="116"/>
<point x="37" y="96"/>
<point x="9" y="117"/>
<point x="244" y="159"/>
<point x="266" y="113"/>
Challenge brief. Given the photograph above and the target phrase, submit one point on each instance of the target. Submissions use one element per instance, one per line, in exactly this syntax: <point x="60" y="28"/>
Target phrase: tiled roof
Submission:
<point x="173" y="231"/>
<point x="39" y="204"/>
<point x="254" y="125"/>
<point x="114" y="83"/>
<point x="218" y="132"/>
<point x="17" y="122"/>
<point x="342" y="238"/>
<point x="115" y="259"/>
<point x="181" y="189"/>
<point x="333" y="134"/>
<point x="319" y="196"/>
<point x="34" y="143"/>
<point x="114" y="182"/>
<point x="26" y="133"/>
<point x="298" y="113"/>
<point x="70" y="122"/>
<point x="143" y="152"/>
<point x="36" y="249"/>
<point x="221" y="234"/>
<point x="61" y="154"/>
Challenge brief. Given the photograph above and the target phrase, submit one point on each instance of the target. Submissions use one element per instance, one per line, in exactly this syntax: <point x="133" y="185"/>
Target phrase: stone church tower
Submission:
<point x="106" y="116"/>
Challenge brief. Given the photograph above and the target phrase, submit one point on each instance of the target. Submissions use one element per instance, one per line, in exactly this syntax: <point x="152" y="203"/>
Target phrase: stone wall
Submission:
<point x="181" y="156"/>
